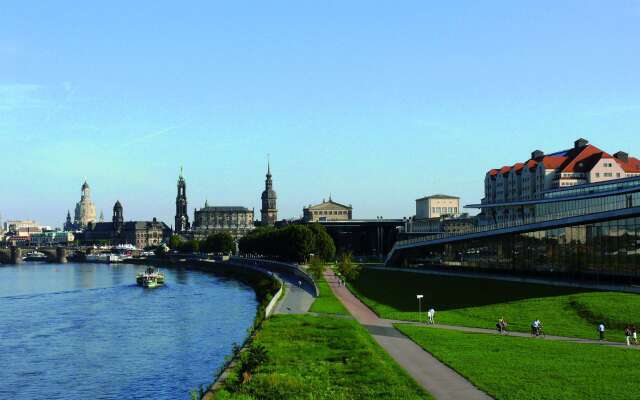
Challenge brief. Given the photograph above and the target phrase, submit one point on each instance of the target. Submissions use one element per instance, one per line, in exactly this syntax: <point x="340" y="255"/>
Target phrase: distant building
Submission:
<point x="235" y="220"/>
<point x="436" y="206"/>
<point x="182" y="216"/>
<point x="529" y="180"/>
<point x="327" y="211"/>
<point x="20" y="231"/>
<point x="52" y="238"/>
<point x="269" y="210"/>
<point x="442" y="224"/>
<point x="85" y="211"/>
<point x="138" y="233"/>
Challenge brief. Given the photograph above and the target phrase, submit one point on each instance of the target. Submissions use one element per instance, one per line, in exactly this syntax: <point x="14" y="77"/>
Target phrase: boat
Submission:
<point x="35" y="256"/>
<point x="104" y="258"/>
<point x="150" y="278"/>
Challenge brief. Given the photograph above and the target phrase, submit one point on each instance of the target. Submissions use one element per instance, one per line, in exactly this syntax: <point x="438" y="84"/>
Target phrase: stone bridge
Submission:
<point x="58" y="254"/>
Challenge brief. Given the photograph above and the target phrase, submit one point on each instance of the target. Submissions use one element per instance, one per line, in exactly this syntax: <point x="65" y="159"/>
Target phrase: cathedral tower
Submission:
<point x="118" y="217"/>
<point x="85" y="211"/>
<point x="269" y="212"/>
<point x="182" y="216"/>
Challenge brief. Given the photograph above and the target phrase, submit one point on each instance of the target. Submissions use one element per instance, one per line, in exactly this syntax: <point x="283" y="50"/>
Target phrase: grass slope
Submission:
<point x="313" y="357"/>
<point x="522" y="368"/>
<point x="480" y="302"/>
<point x="327" y="303"/>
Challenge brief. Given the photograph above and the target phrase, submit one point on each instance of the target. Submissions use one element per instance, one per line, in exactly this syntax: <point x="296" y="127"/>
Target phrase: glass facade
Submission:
<point x="609" y="248"/>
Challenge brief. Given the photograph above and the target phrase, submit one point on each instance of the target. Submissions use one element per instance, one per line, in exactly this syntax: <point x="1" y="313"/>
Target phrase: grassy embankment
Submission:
<point x="327" y="303"/>
<point x="475" y="302"/>
<point x="321" y="357"/>
<point x="520" y="368"/>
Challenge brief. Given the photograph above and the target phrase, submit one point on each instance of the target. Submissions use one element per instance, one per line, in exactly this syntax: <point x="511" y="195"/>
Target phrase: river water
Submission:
<point x="80" y="331"/>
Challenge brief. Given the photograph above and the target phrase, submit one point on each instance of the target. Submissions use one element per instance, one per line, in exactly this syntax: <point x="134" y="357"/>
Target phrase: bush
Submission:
<point x="316" y="268"/>
<point x="218" y="243"/>
<point x="348" y="268"/>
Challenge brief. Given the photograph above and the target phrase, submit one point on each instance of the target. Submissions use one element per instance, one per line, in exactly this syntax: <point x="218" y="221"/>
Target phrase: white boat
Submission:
<point x="104" y="258"/>
<point x="35" y="256"/>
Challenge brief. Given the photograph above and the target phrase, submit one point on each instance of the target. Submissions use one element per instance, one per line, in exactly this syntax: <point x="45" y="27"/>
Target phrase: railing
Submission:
<point x="616" y="204"/>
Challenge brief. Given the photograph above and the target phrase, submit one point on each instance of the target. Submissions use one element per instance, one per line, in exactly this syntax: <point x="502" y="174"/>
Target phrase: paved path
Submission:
<point x="440" y="381"/>
<point x="296" y="300"/>
<point x="517" y="334"/>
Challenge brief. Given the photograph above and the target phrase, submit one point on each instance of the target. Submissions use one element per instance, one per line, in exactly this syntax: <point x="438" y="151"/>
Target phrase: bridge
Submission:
<point x="55" y="254"/>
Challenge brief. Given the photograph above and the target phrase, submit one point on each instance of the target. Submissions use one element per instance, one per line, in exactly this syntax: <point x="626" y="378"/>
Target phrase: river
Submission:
<point x="79" y="331"/>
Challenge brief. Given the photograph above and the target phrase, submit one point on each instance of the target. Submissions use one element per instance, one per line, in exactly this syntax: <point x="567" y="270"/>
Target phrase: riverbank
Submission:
<point x="327" y="355"/>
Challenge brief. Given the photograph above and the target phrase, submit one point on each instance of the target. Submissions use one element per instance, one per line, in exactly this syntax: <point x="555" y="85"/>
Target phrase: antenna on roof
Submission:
<point x="181" y="171"/>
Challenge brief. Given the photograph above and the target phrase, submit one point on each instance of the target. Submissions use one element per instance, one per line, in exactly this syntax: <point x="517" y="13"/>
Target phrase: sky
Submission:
<point x="376" y="103"/>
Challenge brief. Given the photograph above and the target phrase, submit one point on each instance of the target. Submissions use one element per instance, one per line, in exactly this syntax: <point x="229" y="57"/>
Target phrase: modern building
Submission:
<point x="590" y="230"/>
<point x="443" y="224"/>
<point x="327" y="211"/>
<point x="582" y="164"/>
<point x="365" y="237"/>
<point x="141" y="234"/>
<point x="269" y="210"/>
<point x="85" y="211"/>
<point x="235" y="220"/>
<point x="436" y="206"/>
<point x="182" y="216"/>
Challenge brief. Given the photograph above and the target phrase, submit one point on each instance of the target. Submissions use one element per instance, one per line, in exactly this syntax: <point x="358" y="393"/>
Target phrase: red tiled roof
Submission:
<point x="553" y="162"/>
<point x="632" y="165"/>
<point x="584" y="159"/>
<point x="518" y="167"/>
<point x="504" y="169"/>
<point x="493" y="172"/>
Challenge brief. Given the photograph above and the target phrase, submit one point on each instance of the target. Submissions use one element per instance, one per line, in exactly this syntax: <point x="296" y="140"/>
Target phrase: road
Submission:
<point x="296" y="300"/>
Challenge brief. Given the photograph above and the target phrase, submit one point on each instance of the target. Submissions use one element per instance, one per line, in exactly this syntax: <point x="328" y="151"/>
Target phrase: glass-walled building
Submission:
<point x="586" y="231"/>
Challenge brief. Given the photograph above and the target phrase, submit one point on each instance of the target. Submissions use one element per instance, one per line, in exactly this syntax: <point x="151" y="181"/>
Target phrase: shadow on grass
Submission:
<point x="399" y="290"/>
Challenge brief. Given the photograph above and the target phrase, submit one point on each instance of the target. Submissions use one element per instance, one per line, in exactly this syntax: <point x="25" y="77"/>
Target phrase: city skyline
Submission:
<point x="373" y="104"/>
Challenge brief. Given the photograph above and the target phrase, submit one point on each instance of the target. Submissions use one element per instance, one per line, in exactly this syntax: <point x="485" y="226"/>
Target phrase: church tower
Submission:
<point x="269" y="212"/>
<point x="118" y="217"/>
<point x="182" y="216"/>
<point x="85" y="211"/>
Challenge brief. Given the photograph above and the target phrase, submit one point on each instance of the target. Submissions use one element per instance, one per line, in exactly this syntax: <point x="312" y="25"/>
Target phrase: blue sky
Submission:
<point x="378" y="103"/>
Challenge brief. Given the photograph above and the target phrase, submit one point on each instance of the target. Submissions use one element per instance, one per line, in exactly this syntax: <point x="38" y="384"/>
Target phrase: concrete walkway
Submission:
<point x="516" y="334"/>
<point x="297" y="299"/>
<point x="440" y="381"/>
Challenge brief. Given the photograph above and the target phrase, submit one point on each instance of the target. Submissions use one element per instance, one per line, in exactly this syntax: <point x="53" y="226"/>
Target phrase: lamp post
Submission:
<point x="419" y="297"/>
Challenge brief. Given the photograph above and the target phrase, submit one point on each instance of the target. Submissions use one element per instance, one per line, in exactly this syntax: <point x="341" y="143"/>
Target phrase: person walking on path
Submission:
<point x="601" y="330"/>
<point x="634" y="334"/>
<point x="627" y="335"/>
<point x="431" y="314"/>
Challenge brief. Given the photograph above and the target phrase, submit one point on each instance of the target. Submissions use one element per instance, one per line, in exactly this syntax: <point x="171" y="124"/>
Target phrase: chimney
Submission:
<point x="537" y="155"/>
<point x="580" y="143"/>
<point x="622" y="156"/>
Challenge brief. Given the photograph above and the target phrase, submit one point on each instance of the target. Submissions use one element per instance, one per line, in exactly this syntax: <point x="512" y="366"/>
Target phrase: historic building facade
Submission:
<point x="437" y="205"/>
<point x="327" y="211"/>
<point x="85" y="211"/>
<point x="235" y="220"/>
<point x="529" y="180"/>
<point x="182" y="216"/>
<point x="138" y="233"/>
<point x="269" y="210"/>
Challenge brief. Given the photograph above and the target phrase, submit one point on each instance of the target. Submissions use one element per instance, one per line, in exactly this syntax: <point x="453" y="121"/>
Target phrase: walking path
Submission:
<point x="440" y="381"/>
<point x="511" y="333"/>
<point x="296" y="299"/>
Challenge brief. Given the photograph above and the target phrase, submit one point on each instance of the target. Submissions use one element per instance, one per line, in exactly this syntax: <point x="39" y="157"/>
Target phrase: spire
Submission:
<point x="268" y="165"/>
<point x="329" y="197"/>
<point x="181" y="171"/>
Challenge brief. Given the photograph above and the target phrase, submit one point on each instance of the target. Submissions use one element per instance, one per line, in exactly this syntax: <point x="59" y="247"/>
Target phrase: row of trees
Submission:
<point x="293" y="242"/>
<point x="214" y="243"/>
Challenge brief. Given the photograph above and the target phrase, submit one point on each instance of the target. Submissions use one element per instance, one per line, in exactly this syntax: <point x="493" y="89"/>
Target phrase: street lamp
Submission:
<point x="419" y="297"/>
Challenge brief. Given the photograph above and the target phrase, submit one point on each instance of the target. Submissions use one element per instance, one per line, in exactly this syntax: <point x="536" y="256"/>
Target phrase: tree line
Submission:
<point x="292" y="243"/>
<point x="215" y="243"/>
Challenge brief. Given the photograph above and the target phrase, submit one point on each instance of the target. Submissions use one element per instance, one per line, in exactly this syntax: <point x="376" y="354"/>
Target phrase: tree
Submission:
<point x="191" y="246"/>
<point x="348" y="268"/>
<point x="323" y="245"/>
<point x="174" y="242"/>
<point x="316" y="268"/>
<point x="218" y="243"/>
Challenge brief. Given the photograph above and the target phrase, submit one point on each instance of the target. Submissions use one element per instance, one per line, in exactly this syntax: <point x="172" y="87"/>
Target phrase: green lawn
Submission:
<point x="523" y="368"/>
<point x="480" y="302"/>
<point x="323" y="357"/>
<point x="327" y="303"/>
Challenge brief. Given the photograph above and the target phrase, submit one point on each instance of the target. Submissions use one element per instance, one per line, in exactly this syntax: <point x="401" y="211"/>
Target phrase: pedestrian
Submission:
<point x="431" y="314"/>
<point x="627" y="335"/>
<point x="634" y="334"/>
<point x="601" y="330"/>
